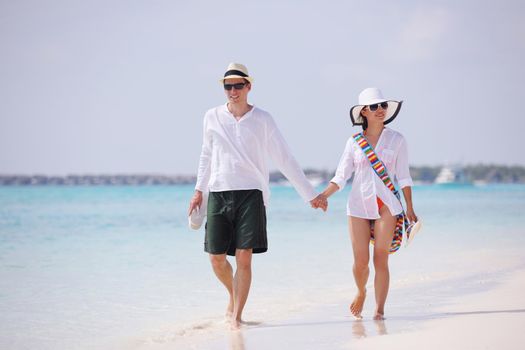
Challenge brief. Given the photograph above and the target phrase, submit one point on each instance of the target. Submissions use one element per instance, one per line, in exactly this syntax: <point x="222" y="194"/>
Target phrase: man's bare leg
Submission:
<point x="224" y="272"/>
<point x="360" y="236"/>
<point x="241" y="284"/>
<point x="384" y="232"/>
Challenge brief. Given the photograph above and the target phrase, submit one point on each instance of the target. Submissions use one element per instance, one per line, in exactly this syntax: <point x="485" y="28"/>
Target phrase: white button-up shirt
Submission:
<point x="234" y="154"/>
<point x="391" y="148"/>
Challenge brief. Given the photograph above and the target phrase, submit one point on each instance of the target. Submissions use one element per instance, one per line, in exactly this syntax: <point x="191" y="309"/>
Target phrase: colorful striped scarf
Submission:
<point x="380" y="170"/>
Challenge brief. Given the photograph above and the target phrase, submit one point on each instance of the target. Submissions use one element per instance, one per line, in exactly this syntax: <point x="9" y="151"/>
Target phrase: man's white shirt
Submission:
<point x="234" y="154"/>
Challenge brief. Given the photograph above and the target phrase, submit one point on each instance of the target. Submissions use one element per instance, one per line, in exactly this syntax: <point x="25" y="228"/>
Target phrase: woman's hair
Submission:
<point x="365" y="121"/>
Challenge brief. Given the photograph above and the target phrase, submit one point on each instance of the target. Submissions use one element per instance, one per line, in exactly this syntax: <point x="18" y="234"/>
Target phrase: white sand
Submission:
<point x="494" y="319"/>
<point x="473" y="302"/>
<point x="490" y="315"/>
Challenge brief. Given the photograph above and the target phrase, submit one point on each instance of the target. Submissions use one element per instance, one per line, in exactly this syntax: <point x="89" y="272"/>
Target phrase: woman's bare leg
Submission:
<point x="383" y="233"/>
<point x="360" y="237"/>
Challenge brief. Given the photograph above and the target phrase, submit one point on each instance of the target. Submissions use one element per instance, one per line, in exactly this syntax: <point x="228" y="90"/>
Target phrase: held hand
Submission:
<point x="411" y="215"/>
<point x="323" y="204"/>
<point x="314" y="203"/>
<point x="195" y="201"/>
<point x="319" y="202"/>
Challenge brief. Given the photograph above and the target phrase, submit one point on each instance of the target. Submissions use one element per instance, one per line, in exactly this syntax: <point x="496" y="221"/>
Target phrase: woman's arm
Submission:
<point x="407" y="193"/>
<point x="322" y="200"/>
<point x="404" y="179"/>
<point x="330" y="190"/>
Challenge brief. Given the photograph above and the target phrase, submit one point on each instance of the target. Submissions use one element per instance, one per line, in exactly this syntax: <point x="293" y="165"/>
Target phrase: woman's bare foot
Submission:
<point x="380" y="313"/>
<point x="379" y="317"/>
<point x="357" y="305"/>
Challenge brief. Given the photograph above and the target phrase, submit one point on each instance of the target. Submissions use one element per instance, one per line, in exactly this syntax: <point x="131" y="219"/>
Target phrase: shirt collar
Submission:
<point x="246" y="116"/>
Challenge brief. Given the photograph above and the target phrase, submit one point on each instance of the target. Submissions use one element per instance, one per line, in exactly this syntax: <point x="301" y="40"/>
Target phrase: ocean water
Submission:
<point x="117" y="267"/>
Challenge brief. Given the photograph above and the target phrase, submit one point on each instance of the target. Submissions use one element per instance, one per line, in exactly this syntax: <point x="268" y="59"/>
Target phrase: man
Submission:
<point x="237" y="138"/>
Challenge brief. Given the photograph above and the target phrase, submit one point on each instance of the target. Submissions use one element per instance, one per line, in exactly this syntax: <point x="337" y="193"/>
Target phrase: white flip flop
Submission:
<point x="412" y="230"/>
<point x="196" y="217"/>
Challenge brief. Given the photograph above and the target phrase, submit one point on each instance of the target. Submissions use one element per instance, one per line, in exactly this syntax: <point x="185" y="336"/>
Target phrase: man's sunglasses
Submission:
<point x="374" y="107"/>
<point x="238" y="86"/>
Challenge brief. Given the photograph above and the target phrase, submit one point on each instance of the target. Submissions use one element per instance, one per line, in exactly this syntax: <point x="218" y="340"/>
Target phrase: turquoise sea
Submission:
<point x="109" y="267"/>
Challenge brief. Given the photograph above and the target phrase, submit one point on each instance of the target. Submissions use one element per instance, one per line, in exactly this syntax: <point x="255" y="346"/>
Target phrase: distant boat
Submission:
<point x="451" y="176"/>
<point x="316" y="180"/>
<point x="446" y="175"/>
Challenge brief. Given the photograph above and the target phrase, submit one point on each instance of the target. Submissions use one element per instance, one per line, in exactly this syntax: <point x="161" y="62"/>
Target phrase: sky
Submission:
<point x="112" y="87"/>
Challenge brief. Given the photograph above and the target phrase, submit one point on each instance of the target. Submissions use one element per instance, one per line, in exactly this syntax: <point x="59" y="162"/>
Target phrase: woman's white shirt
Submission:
<point x="391" y="148"/>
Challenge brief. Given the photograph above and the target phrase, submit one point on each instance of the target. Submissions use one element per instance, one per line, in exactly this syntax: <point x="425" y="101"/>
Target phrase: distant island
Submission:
<point x="420" y="174"/>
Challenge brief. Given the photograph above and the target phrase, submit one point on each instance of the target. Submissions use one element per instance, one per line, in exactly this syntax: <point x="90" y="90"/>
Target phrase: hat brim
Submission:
<point x="250" y="79"/>
<point x="393" y="110"/>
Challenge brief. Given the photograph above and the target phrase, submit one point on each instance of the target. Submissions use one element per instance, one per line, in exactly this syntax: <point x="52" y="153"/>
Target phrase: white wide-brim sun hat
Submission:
<point x="370" y="96"/>
<point x="236" y="70"/>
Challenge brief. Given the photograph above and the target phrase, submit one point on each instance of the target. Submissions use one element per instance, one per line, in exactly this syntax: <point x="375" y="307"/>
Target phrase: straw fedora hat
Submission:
<point x="236" y="70"/>
<point x="370" y="96"/>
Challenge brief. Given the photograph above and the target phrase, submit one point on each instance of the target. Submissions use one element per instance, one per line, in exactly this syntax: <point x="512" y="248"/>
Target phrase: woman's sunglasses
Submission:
<point x="238" y="86"/>
<point x="374" y="107"/>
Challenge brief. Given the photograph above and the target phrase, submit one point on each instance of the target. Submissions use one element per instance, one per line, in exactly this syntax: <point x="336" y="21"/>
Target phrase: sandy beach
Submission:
<point x="479" y="308"/>
<point x="489" y="319"/>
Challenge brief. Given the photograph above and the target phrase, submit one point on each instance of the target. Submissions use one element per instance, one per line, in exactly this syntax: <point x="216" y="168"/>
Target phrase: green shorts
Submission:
<point x="236" y="220"/>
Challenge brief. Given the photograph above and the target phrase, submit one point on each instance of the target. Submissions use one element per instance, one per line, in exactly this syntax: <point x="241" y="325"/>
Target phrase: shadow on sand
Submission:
<point x="359" y="327"/>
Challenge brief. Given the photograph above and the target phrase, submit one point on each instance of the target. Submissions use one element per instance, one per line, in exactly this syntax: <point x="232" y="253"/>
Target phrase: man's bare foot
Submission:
<point x="241" y="324"/>
<point x="235" y="325"/>
<point x="357" y="305"/>
<point x="229" y="311"/>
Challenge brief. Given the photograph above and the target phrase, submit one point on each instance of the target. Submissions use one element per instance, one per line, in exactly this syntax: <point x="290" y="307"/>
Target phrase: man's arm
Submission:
<point x="204" y="171"/>
<point x="282" y="156"/>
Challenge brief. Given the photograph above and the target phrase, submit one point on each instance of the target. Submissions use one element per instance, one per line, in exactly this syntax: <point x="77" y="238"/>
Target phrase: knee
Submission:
<point x="361" y="261"/>
<point x="217" y="261"/>
<point x="380" y="259"/>
<point x="243" y="258"/>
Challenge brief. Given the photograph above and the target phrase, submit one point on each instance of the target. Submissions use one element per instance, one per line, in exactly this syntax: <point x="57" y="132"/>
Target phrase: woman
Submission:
<point x="373" y="209"/>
